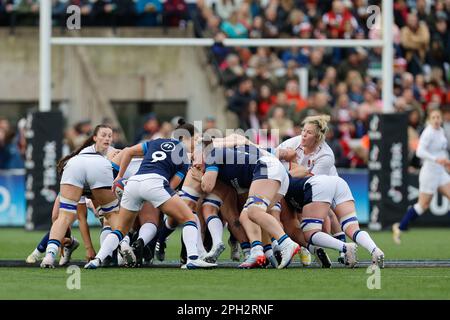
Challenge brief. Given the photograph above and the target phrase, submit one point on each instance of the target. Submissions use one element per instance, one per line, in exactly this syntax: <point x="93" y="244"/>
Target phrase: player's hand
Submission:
<point x="90" y="254"/>
<point x="442" y="161"/>
<point x="114" y="183"/>
<point x="196" y="173"/>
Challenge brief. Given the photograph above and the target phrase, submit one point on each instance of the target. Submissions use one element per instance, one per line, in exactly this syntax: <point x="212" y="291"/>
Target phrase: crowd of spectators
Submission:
<point x="262" y="84"/>
<point x="101" y="12"/>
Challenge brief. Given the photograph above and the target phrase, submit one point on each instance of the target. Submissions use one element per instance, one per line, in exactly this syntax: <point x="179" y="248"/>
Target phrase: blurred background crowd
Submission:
<point x="262" y="84"/>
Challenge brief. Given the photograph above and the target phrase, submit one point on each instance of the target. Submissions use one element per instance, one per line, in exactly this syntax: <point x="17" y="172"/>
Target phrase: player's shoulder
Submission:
<point x="292" y="143"/>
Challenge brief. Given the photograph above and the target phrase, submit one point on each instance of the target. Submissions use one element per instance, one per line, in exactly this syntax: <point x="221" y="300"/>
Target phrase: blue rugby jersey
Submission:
<point x="237" y="166"/>
<point x="299" y="193"/>
<point x="166" y="157"/>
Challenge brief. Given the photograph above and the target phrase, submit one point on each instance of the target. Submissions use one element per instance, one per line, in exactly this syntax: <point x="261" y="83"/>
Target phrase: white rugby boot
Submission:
<point x="214" y="253"/>
<point x="378" y="258"/>
<point x="199" y="264"/>
<point x="34" y="257"/>
<point x="305" y="257"/>
<point x="288" y="250"/>
<point x="93" y="264"/>
<point x="351" y="258"/>
<point x="65" y="258"/>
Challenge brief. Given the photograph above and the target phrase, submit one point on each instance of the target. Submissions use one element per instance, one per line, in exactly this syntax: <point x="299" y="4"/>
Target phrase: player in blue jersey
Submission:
<point x="248" y="167"/>
<point x="164" y="166"/>
<point x="314" y="196"/>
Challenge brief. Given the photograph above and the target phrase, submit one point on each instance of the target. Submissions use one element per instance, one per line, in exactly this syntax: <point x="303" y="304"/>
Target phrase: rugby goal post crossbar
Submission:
<point x="46" y="41"/>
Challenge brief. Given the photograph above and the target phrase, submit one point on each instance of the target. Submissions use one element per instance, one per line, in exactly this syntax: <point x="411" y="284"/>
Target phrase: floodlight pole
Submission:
<point x="45" y="65"/>
<point x="388" y="55"/>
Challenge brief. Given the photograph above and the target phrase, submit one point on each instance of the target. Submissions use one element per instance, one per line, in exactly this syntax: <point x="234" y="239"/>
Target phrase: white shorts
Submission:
<point x="133" y="168"/>
<point x="92" y="170"/>
<point x="146" y="187"/>
<point x="272" y="168"/>
<point x="330" y="189"/>
<point x="431" y="177"/>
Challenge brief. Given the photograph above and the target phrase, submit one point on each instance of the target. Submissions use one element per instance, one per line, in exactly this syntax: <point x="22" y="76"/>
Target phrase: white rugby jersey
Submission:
<point x="432" y="145"/>
<point x="319" y="162"/>
<point x="91" y="149"/>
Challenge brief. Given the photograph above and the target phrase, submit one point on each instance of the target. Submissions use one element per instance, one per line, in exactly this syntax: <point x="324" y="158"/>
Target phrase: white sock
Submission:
<point x="109" y="245"/>
<point x="323" y="239"/>
<point x="364" y="240"/>
<point x="104" y="234"/>
<point x="257" y="250"/>
<point x="268" y="253"/>
<point x="147" y="232"/>
<point x="126" y="240"/>
<point x="275" y="245"/>
<point x="215" y="227"/>
<point x="419" y="209"/>
<point x="190" y="237"/>
<point x="200" y="247"/>
<point x="52" y="250"/>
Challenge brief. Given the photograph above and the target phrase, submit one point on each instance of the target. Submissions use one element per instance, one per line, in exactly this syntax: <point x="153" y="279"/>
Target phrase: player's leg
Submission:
<point x="313" y="215"/>
<point x="210" y="212"/>
<point x="148" y="219"/>
<point x="347" y="216"/>
<point x="262" y="194"/>
<point x="337" y="232"/>
<point x="176" y="208"/>
<point x="36" y="255"/>
<point x="69" y="197"/>
<point x="412" y="214"/>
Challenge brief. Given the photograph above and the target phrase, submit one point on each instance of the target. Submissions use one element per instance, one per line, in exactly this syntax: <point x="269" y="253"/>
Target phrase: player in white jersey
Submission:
<point x="432" y="149"/>
<point x="307" y="155"/>
<point x="89" y="166"/>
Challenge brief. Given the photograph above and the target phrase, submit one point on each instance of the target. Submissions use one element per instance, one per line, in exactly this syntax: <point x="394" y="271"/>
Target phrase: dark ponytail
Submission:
<point x="183" y="129"/>
<point x="89" y="141"/>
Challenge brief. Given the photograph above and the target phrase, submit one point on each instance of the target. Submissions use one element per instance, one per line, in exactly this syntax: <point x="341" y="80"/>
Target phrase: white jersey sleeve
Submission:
<point x="426" y="138"/>
<point x="323" y="165"/>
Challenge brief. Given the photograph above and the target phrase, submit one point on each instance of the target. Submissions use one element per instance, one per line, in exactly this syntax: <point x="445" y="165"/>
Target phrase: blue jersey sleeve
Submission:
<point x="144" y="147"/>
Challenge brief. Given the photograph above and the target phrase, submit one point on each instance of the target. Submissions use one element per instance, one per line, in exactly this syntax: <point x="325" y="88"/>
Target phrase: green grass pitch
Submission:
<point x="293" y="283"/>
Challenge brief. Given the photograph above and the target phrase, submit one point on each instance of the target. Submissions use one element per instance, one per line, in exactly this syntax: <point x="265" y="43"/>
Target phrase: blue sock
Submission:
<point x="410" y="215"/>
<point x="164" y="233"/>
<point x="42" y="246"/>
<point x="245" y="245"/>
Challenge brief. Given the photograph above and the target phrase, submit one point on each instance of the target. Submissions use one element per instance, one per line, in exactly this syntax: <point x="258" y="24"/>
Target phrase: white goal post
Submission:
<point x="46" y="41"/>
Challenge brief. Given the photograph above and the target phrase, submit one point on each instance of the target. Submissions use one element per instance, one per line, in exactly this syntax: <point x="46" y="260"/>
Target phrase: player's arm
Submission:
<point x="286" y="154"/>
<point x="422" y="149"/>
<point x="84" y="230"/>
<point x="176" y="180"/>
<point x="127" y="154"/>
<point x="298" y="171"/>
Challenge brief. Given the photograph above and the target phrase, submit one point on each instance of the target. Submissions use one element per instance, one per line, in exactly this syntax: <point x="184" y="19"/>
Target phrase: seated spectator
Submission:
<point x="125" y="12"/>
<point x="233" y="28"/>
<point x="316" y="69"/>
<point x="284" y="10"/>
<point x="250" y="118"/>
<point x="296" y="21"/>
<point x="337" y="18"/>
<point x="225" y="8"/>
<point x="265" y="56"/>
<point x="265" y="100"/>
<point x="219" y="50"/>
<point x="175" y="13"/>
<point x="262" y="76"/>
<point x="279" y="122"/>
<point x="233" y="73"/>
<point x="271" y="29"/>
<point x="415" y="38"/>
<point x="78" y="133"/>
<point x="280" y="82"/>
<point x="149" y="12"/>
<point x="293" y="95"/>
<point x="239" y="101"/>
<point x="297" y="54"/>
<point x="354" y="62"/>
<point x="257" y="28"/>
<point x="288" y="107"/>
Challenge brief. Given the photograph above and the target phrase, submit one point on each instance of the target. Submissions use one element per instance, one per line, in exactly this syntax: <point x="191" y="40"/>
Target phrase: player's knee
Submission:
<point x="310" y="226"/>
